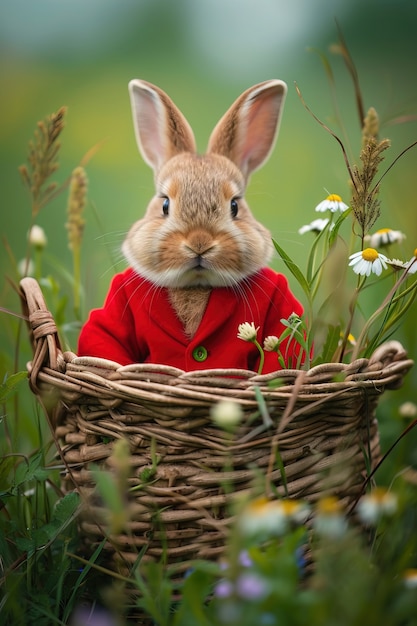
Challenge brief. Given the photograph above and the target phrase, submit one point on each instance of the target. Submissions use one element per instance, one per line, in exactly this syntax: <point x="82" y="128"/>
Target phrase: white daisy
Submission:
<point x="247" y="331"/>
<point x="384" y="237"/>
<point x="368" y="261"/>
<point x="397" y="264"/>
<point x="374" y="505"/>
<point x="272" y="517"/>
<point x="411" y="265"/>
<point x="316" y="226"/>
<point x="332" y="203"/>
<point x="330" y="520"/>
<point x="410" y="578"/>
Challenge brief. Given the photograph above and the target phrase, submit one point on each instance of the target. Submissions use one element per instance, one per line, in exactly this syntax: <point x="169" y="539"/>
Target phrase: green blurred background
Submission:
<point x="82" y="53"/>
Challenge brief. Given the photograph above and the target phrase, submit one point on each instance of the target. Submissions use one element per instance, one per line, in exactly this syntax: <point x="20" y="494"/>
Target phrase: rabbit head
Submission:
<point x="198" y="230"/>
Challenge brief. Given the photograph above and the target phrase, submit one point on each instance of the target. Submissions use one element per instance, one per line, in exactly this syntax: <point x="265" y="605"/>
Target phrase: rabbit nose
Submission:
<point x="199" y="243"/>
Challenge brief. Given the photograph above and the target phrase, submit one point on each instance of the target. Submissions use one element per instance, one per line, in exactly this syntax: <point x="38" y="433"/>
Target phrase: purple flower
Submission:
<point x="223" y="589"/>
<point x="92" y="616"/>
<point x="244" y="559"/>
<point x="250" y="586"/>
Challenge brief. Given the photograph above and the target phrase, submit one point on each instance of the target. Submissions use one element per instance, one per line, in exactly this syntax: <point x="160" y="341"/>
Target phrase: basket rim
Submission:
<point x="77" y="375"/>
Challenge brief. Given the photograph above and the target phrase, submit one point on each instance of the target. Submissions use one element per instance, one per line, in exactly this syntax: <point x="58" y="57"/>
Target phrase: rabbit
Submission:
<point x="198" y="259"/>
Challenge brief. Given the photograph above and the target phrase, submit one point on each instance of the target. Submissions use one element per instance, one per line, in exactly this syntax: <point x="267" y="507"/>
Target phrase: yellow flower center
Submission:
<point x="415" y="253"/>
<point x="381" y="231"/>
<point x="379" y="495"/>
<point x="289" y="507"/>
<point x="258" y="506"/>
<point x="370" y="254"/>
<point x="334" y="198"/>
<point x="329" y="506"/>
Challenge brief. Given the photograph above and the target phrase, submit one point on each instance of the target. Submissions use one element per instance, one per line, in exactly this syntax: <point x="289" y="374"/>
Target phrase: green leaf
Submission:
<point x="334" y="232"/>
<point x="66" y="507"/>
<point x="7" y="464"/>
<point x="326" y="64"/>
<point x="10" y="385"/>
<point x="109" y="490"/>
<point x="196" y="590"/>
<point x="330" y="344"/>
<point x="281" y="468"/>
<point x="43" y="536"/>
<point x="156" y="592"/>
<point x="32" y="470"/>
<point x="263" y="409"/>
<point x="39" y="538"/>
<point x="60" y="308"/>
<point x="294" y="269"/>
<point x="311" y="256"/>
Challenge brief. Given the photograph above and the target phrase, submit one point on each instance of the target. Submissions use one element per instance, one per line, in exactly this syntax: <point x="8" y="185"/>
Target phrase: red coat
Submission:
<point x="138" y="324"/>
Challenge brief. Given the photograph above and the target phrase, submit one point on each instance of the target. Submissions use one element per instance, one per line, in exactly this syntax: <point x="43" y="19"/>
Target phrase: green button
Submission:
<point x="200" y="354"/>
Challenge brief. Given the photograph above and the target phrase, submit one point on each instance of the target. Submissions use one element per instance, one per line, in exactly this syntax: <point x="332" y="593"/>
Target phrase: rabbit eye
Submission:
<point x="165" y="206"/>
<point x="234" y="207"/>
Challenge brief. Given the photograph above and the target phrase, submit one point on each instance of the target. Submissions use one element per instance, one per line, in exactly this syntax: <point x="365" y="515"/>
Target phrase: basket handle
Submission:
<point x="43" y="331"/>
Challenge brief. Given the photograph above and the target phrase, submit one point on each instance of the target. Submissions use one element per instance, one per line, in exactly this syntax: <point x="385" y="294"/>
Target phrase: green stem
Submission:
<point x="262" y="356"/>
<point x="38" y="263"/>
<point x="352" y="308"/>
<point x="77" y="282"/>
<point x="387" y="301"/>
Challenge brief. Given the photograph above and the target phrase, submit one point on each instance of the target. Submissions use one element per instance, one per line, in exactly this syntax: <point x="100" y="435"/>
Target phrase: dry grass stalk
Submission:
<point x="43" y="160"/>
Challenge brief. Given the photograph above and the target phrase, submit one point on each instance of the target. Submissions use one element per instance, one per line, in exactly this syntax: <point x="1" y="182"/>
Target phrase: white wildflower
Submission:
<point x="316" y="226"/>
<point x="247" y="331"/>
<point x="411" y="265"/>
<point x="368" y="261"/>
<point x="332" y="203"/>
<point x="267" y="518"/>
<point x="384" y="237"/>
<point x="376" y="504"/>
<point x="271" y="343"/>
<point x="330" y="520"/>
<point x="410" y="578"/>
<point x="37" y="237"/>
<point x="408" y="409"/>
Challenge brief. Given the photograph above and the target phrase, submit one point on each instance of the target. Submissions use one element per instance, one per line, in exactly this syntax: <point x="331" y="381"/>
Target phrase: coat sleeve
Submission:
<point x="109" y="332"/>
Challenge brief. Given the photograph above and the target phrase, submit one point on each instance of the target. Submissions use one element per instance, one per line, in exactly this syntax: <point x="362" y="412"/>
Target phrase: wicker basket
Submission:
<point x="323" y="428"/>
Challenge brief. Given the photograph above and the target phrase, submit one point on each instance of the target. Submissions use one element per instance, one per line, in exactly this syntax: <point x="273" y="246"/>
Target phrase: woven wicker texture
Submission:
<point x="186" y="473"/>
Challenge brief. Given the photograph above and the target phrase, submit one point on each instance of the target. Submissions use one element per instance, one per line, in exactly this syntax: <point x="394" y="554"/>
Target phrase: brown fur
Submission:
<point x="189" y="305"/>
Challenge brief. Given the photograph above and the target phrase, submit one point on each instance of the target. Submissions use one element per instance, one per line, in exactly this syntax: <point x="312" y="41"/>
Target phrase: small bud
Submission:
<point x="408" y="410"/>
<point x="37" y="237"/>
<point x="294" y="320"/>
<point x="25" y="268"/>
<point x="271" y="343"/>
<point x="227" y="414"/>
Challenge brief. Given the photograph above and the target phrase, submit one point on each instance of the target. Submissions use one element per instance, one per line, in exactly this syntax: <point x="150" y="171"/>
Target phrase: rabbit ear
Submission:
<point x="161" y="129"/>
<point x="247" y="131"/>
